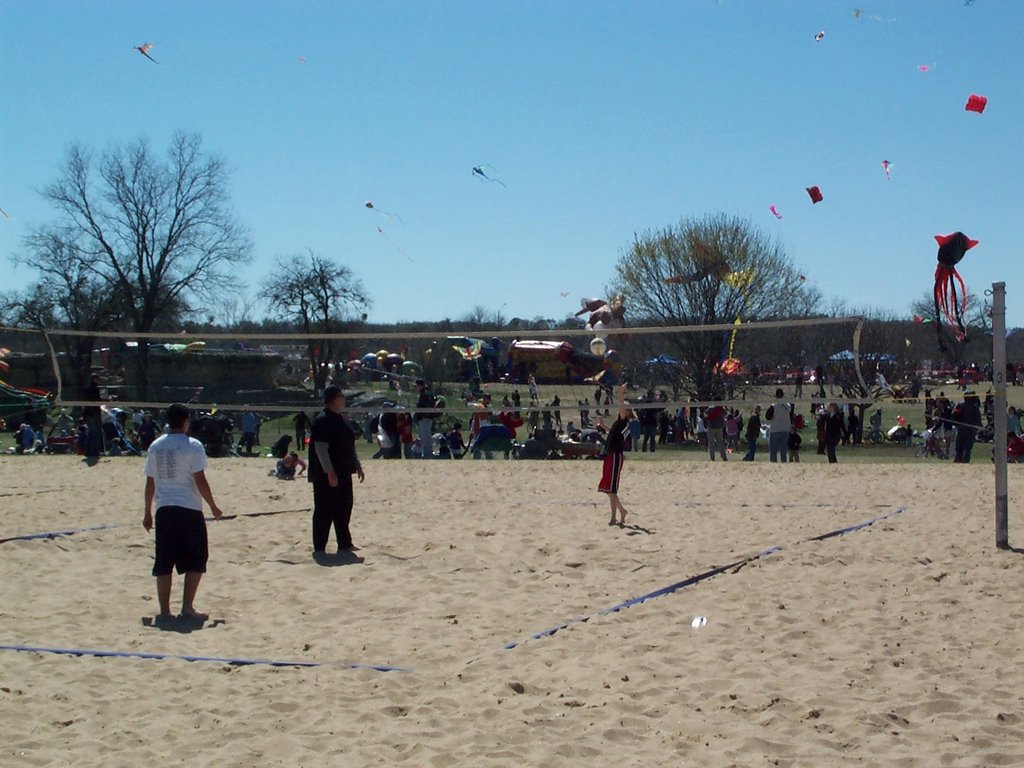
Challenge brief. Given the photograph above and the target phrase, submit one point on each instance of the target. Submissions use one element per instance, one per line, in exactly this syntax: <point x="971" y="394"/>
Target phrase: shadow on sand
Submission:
<point x="334" y="560"/>
<point x="183" y="625"/>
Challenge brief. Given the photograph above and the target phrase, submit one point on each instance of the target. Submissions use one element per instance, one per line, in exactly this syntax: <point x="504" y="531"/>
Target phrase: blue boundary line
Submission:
<point x="697" y="579"/>
<point x="109" y="526"/>
<point x="189" y="657"/>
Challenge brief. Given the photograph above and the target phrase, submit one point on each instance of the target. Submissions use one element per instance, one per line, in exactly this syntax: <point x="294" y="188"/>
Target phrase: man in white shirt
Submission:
<point x="176" y="478"/>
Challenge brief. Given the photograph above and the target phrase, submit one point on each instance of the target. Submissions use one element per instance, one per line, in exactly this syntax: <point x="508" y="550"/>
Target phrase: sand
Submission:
<point x="896" y="645"/>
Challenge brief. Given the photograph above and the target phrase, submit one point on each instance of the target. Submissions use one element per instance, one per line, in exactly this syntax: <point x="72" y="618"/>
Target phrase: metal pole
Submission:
<point x="999" y="381"/>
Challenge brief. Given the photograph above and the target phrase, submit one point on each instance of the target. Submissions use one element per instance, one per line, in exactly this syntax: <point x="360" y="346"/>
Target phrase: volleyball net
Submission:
<point x="569" y="369"/>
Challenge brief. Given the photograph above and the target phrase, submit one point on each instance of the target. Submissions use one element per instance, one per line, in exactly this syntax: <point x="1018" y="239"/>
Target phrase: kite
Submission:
<point x="820" y="36"/>
<point x="976" y="103"/>
<point x="886" y="165"/>
<point x="369" y="204"/>
<point x="144" y="49"/>
<point x="775" y="211"/>
<point x="858" y="13"/>
<point x="302" y="59"/>
<point x="815" y="194"/>
<point x="394" y="245"/>
<point x="924" y="67"/>
<point x="918" y="320"/>
<point x="603" y="314"/>
<point x="5" y="213"/>
<point x="947" y="304"/>
<point x="563" y="294"/>
<point x="478" y="171"/>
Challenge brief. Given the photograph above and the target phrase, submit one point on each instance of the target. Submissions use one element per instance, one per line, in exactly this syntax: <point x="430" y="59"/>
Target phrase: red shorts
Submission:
<point x="610" y="473"/>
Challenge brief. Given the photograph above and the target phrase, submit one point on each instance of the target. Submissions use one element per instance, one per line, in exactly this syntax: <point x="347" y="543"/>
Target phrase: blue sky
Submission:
<point x="602" y="118"/>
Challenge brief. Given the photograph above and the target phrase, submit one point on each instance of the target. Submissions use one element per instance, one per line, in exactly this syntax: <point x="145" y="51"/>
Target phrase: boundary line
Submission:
<point x="73" y="531"/>
<point x="241" y="662"/>
<point x="668" y="590"/>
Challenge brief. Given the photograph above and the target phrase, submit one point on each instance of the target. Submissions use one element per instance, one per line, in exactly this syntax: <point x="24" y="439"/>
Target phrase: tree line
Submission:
<point x="143" y="242"/>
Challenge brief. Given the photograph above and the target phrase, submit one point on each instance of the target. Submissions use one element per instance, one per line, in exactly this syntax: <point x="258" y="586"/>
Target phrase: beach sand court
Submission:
<point x="898" y="644"/>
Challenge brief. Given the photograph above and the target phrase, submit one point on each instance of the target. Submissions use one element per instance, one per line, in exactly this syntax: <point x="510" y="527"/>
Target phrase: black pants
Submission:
<point x="830" y="450"/>
<point x="94" y="446"/>
<point x="332" y="506"/>
<point x="964" y="444"/>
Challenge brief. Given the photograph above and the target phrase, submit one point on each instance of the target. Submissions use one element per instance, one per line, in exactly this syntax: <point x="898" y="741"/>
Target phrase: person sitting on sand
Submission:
<point x="286" y="467"/>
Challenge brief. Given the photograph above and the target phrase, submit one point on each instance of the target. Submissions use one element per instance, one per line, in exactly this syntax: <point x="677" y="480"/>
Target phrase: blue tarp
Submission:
<point x="662" y="360"/>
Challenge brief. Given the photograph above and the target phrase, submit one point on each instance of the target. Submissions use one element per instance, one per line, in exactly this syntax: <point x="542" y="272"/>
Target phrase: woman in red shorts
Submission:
<point x="615" y="443"/>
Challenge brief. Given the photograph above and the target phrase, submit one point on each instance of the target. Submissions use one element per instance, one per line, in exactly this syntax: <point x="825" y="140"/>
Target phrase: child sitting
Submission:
<point x="286" y="467"/>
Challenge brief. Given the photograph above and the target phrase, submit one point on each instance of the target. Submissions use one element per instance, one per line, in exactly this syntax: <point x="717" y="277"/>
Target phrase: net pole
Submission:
<point x="999" y="380"/>
<point x="56" y="365"/>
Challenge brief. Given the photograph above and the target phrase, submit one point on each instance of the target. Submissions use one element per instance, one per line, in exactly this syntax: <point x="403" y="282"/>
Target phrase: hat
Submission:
<point x="420" y="383"/>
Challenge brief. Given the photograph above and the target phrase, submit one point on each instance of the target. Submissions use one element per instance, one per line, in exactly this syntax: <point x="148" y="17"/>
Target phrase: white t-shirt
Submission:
<point x="171" y="461"/>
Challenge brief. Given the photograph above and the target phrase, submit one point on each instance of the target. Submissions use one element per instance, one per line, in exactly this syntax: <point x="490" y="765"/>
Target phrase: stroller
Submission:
<point x="214" y="432"/>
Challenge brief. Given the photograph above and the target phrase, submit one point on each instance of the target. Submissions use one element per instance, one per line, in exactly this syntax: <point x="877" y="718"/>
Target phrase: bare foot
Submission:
<point x="192" y="613"/>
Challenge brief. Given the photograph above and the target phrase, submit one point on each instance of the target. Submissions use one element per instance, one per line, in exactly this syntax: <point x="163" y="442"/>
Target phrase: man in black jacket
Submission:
<point x="424" y="419"/>
<point x="332" y="462"/>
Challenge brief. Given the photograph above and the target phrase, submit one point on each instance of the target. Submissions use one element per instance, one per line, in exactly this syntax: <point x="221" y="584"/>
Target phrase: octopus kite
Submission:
<point x="947" y="303"/>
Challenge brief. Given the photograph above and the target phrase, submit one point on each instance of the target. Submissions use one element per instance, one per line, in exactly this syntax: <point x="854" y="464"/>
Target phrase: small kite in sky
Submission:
<point x="369" y="204"/>
<point x="478" y="171"/>
<point x="775" y="211"/>
<point x="302" y="59"/>
<point x="815" y="194"/>
<point x="947" y="303"/>
<point x="886" y="165"/>
<point x="820" y="36"/>
<point x="382" y="233"/>
<point x="924" y="67"/>
<point x="563" y="294"/>
<point x="858" y="13"/>
<point x="976" y="103"/>
<point x="144" y="49"/>
<point x="5" y="213"/>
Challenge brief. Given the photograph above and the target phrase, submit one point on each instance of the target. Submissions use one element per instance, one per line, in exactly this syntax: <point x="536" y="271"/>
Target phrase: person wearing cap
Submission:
<point x="332" y="462"/>
<point x="424" y="418"/>
<point x="176" y="480"/>
<point x="967" y="420"/>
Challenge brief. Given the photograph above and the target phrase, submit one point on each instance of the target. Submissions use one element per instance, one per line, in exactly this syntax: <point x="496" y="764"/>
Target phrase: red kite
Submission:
<point x="976" y="103"/>
<point x="815" y="194"/>
<point x="947" y="303"/>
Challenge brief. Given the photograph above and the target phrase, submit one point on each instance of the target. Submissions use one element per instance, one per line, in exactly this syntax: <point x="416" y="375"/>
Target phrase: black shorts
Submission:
<point x="180" y="541"/>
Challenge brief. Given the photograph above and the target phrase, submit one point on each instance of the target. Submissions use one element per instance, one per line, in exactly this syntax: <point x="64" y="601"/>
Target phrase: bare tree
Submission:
<point x="481" y="318"/>
<point x="703" y="272"/>
<point x="320" y="296"/>
<point x="67" y="296"/>
<point x="155" y="233"/>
